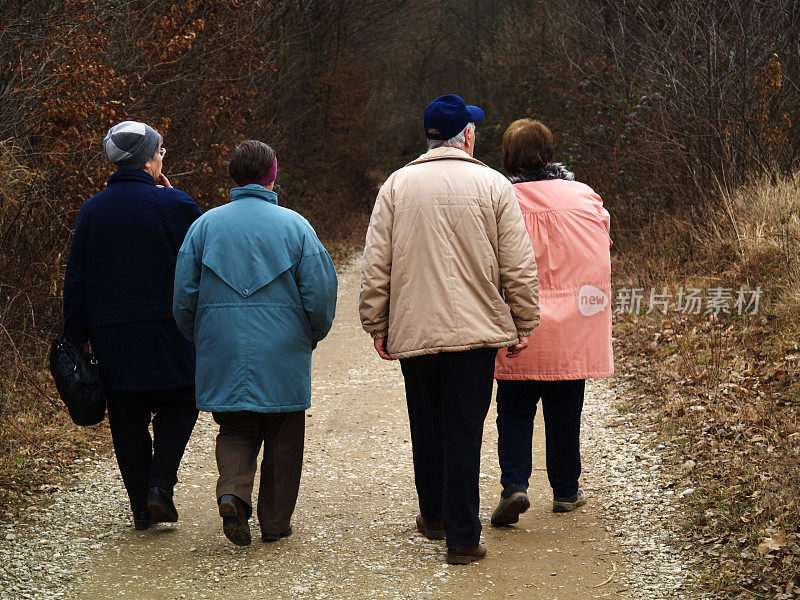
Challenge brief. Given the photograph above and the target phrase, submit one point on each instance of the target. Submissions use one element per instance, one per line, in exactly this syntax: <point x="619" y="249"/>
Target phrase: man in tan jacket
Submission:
<point x="446" y="256"/>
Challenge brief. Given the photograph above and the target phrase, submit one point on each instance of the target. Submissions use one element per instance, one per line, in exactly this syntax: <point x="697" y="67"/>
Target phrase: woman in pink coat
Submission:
<point x="569" y="230"/>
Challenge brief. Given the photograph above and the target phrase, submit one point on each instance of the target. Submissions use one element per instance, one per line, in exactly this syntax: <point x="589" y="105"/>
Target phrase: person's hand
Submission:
<point x="163" y="181"/>
<point x="515" y="350"/>
<point x="380" y="348"/>
<point x="85" y="346"/>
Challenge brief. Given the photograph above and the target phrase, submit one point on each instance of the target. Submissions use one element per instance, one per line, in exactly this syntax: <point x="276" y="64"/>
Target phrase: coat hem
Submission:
<point x="254" y="408"/>
<point x="189" y="383"/>
<point x="553" y="376"/>
<point x="438" y="349"/>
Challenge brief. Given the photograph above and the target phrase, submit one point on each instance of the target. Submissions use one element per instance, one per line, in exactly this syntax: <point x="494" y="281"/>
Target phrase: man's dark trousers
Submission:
<point x="448" y="396"/>
<point x="562" y="402"/>
<point x="145" y="462"/>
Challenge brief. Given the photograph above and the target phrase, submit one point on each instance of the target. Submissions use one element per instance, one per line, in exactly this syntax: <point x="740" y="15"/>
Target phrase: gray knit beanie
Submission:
<point x="130" y="144"/>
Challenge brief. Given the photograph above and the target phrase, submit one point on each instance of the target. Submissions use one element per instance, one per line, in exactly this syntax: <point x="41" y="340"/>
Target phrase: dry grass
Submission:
<point x="725" y="392"/>
<point x="38" y="444"/>
<point x="37" y="439"/>
<point x="764" y="232"/>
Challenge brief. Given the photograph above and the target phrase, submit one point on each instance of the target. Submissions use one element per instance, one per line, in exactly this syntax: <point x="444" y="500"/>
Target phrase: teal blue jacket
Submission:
<point x="255" y="290"/>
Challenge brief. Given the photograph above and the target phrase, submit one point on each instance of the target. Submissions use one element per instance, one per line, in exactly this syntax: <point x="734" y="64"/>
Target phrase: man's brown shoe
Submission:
<point x="464" y="556"/>
<point x="431" y="530"/>
<point x="234" y="520"/>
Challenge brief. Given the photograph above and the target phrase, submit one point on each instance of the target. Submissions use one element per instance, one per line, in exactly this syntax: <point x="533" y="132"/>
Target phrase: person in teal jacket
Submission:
<point x="255" y="290"/>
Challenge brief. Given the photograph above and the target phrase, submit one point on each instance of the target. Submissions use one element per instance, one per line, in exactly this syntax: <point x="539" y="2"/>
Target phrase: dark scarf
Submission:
<point x="540" y="172"/>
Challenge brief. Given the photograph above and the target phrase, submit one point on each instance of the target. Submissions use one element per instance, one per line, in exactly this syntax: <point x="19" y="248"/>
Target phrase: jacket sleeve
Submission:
<point x="179" y="212"/>
<point x="187" y="285"/>
<point x="605" y="217"/>
<point x="190" y="211"/>
<point x="518" y="272"/>
<point x="76" y="327"/>
<point x="607" y="223"/>
<point x="316" y="281"/>
<point x="376" y="268"/>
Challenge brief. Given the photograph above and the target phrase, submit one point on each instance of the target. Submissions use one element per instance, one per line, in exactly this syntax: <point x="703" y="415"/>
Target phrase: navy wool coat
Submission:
<point x="119" y="279"/>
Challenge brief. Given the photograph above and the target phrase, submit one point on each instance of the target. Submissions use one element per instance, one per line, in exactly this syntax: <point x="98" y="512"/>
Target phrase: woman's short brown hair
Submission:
<point x="526" y="144"/>
<point x="249" y="161"/>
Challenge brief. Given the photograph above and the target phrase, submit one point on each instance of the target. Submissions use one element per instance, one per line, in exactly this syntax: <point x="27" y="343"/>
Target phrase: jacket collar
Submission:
<point x="131" y="175"/>
<point x="253" y="190"/>
<point x="445" y="152"/>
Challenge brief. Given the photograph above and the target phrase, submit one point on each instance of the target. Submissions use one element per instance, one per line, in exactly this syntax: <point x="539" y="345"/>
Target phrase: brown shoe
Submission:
<point x="464" y="556"/>
<point x="431" y="530"/>
<point x="234" y="520"/>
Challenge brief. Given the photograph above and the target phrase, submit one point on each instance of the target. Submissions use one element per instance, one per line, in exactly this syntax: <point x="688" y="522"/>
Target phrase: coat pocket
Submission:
<point x="493" y="285"/>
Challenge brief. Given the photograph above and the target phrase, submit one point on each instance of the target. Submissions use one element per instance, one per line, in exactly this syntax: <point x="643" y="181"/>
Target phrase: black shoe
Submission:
<point x="513" y="502"/>
<point x="142" y="519"/>
<point x="234" y="520"/>
<point x="161" y="506"/>
<point x="274" y="537"/>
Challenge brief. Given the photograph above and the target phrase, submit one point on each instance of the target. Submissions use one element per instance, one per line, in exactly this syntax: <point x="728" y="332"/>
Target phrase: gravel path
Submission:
<point x="354" y="534"/>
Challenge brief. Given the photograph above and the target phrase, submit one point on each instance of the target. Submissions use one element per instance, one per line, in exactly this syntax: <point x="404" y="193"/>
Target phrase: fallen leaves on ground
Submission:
<point x="724" y="397"/>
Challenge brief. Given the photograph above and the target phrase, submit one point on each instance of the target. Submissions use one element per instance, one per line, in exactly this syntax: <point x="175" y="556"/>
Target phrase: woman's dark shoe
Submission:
<point x="513" y="502"/>
<point x="274" y="537"/>
<point x="161" y="506"/>
<point x="430" y="529"/>
<point x="569" y="504"/>
<point x="464" y="556"/>
<point x="234" y="520"/>
<point x="142" y="519"/>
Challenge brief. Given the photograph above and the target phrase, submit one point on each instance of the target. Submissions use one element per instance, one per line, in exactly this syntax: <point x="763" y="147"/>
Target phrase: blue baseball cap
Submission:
<point x="446" y="116"/>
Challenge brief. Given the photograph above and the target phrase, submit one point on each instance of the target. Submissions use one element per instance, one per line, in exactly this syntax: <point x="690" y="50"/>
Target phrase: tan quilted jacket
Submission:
<point x="446" y="252"/>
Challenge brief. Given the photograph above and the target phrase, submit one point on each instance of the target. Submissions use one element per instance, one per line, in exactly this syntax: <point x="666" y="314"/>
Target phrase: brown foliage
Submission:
<point x="724" y="392"/>
<point x="665" y="108"/>
<point x="655" y="104"/>
<point x="68" y="71"/>
<point x="303" y="76"/>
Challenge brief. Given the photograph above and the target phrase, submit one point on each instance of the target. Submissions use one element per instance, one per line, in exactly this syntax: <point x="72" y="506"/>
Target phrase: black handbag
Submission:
<point x="77" y="377"/>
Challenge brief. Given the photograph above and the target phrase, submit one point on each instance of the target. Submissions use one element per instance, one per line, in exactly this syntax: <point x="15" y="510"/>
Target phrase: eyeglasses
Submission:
<point x="162" y="152"/>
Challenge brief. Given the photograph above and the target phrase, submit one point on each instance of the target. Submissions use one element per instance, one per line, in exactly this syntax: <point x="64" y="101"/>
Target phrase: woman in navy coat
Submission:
<point x="118" y="296"/>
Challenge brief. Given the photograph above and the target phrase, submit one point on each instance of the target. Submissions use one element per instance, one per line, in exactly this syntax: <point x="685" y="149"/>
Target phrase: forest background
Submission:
<point x="683" y="115"/>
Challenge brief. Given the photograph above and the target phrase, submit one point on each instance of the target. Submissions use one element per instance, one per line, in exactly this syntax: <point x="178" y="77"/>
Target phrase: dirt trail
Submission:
<point x="354" y="535"/>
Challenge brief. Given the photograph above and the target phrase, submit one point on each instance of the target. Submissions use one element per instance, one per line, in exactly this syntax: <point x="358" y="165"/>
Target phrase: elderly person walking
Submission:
<point x="255" y="290"/>
<point x="569" y="230"/>
<point x="446" y="249"/>
<point x="118" y="296"/>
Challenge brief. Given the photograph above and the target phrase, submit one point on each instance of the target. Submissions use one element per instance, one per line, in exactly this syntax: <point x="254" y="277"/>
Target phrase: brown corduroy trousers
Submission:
<point x="238" y="444"/>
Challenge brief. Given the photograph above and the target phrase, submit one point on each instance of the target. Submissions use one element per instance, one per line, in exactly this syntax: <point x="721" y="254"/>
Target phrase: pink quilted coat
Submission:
<point x="569" y="230"/>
